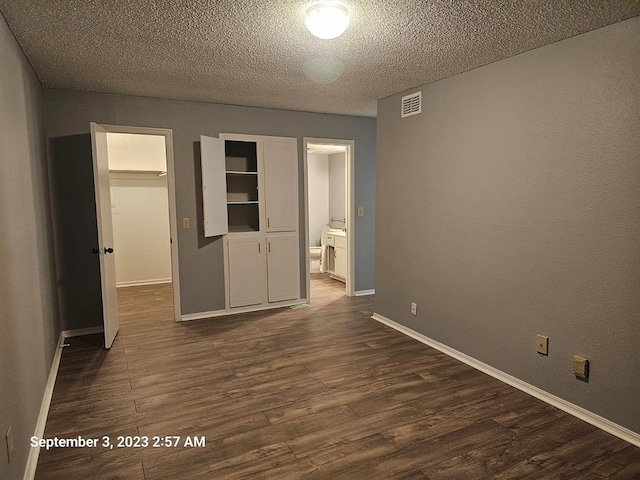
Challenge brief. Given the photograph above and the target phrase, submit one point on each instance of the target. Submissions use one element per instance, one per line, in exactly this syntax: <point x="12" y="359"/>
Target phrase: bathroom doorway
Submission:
<point x="328" y="179"/>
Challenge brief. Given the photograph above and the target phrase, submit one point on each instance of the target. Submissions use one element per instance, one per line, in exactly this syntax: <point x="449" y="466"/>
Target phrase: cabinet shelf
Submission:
<point x="238" y="172"/>
<point x="241" y="158"/>
<point x="243" y="228"/>
<point x="243" y="216"/>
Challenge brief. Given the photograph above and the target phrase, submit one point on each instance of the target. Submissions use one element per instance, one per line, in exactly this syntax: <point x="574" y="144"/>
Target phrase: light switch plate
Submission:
<point x="542" y="344"/>
<point x="186" y="223"/>
<point x="361" y="211"/>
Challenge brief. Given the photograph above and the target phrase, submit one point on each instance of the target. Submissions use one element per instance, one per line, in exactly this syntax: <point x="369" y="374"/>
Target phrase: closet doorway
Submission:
<point x="328" y="181"/>
<point x="140" y="276"/>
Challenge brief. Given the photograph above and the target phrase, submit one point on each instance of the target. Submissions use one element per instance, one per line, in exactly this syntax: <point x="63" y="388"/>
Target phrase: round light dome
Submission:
<point x="327" y="21"/>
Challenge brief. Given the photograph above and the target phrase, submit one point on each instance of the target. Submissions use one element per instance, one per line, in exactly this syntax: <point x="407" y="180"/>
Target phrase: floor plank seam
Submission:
<point x="144" y="473"/>
<point x="291" y="450"/>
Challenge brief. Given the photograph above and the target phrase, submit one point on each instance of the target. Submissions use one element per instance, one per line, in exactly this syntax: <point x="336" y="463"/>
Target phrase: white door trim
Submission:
<point x="171" y="183"/>
<point x="350" y="210"/>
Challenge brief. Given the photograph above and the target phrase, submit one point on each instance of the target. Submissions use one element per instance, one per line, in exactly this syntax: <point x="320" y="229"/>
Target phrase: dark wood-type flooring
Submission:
<point x="316" y="392"/>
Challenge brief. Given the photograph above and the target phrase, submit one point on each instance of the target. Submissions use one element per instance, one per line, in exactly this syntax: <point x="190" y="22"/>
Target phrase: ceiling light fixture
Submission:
<point x="327" y="20"/>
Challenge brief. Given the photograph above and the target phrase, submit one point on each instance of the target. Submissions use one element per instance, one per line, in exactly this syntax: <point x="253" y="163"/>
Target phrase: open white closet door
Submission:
<point x="214" y="186"/>
<point x="105" y="233"/>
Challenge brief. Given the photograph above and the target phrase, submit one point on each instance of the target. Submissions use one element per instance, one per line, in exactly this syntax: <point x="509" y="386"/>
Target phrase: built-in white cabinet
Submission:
<point x="256" y="187"/>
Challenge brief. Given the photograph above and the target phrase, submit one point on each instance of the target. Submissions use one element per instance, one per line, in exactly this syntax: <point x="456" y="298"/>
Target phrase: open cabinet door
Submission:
<point x="214" y="186"/>
<point x="105" y="233"/>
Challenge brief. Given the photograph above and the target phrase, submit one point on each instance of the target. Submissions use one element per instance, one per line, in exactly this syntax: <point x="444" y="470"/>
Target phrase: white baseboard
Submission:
<point x="34" y="453"/>
<point x="201" y="315"/>
<point x="361" y="293"/>
<point x="572" y="409"/>
<point x="140" y="283"/>
<point x="232" y="311"/>
<point x="81" y="331"/>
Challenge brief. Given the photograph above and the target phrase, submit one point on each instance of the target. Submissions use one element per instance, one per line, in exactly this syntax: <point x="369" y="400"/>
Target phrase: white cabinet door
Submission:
<point x="246" y="259"/>
<point x="283" y="271"/>
<point x="214" y="186"/>
<point x="281" y="184"/>
<point x="340" y="262"/>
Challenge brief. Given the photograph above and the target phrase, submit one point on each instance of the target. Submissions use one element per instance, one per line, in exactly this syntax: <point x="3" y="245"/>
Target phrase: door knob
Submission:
<point x="108" y="250"/>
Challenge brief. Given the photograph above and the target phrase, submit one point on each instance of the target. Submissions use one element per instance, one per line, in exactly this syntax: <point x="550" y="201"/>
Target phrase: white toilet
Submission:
<point x="314" y="259"/>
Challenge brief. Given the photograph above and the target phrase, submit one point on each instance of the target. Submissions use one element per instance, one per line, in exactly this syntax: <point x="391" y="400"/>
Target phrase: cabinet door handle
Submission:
<point x="267" y="222"/>
<point x="269" y="244"/>
<point x="258" y="247"/>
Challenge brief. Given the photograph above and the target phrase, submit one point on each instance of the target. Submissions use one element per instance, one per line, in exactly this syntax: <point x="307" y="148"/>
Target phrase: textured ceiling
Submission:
<point x="259" y="53"/>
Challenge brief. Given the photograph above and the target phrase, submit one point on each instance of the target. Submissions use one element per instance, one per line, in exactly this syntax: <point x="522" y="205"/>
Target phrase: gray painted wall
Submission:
<point x="29" y="322"/>
<point x="511" y="206"/>
<point x="68" y="114"/>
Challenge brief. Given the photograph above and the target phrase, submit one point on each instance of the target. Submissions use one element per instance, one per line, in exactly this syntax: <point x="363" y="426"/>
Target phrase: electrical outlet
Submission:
<point x="414" y="308"/>
<point x="580" y="367"/>
<point x="9" y="438"/>
<point x="542" y="344"/>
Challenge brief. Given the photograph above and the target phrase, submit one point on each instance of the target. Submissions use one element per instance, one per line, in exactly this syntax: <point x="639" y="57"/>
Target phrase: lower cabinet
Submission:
<point x="246" y="271"/>
<point x="340" y="262"/>
<point x="283" y="270"/>
<point x="262" y="269"/>
<point x="337" y="256"/>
